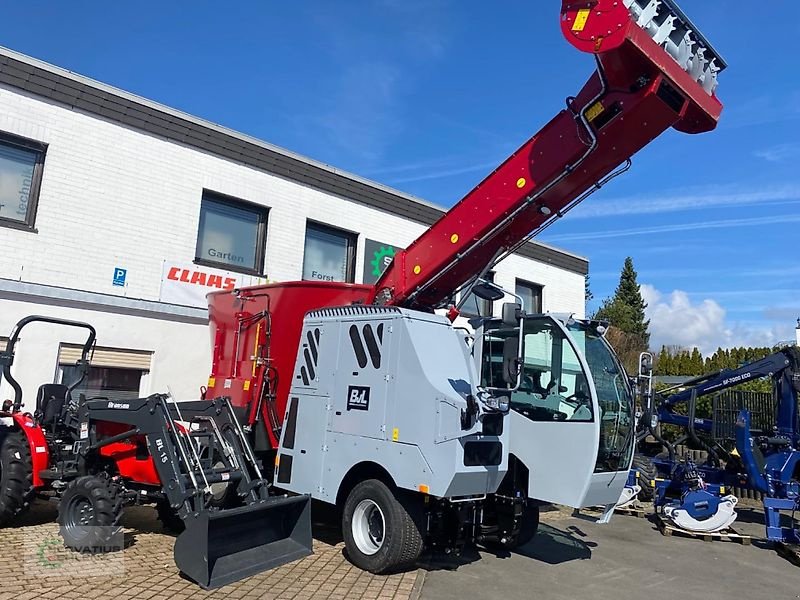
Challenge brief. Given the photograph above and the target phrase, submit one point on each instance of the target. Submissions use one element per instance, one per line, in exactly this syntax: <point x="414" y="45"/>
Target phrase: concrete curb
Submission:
<point x="416" y="591"/>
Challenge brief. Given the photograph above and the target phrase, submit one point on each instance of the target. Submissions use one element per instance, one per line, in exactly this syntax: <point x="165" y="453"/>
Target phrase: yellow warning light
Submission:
<point x="454" y="238"/>
<point x="395" y="434"/>
<point x="423" y="488"/>
<point x="277" y="460"/>
<point x="211" y="382"/>
<point x="417" y="270"/>
<point x="521" y="182"/>
<point x="246" y="385"/>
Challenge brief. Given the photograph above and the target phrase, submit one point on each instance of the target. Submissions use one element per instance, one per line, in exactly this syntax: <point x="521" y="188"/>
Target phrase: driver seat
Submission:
<point x="50" y="401"/>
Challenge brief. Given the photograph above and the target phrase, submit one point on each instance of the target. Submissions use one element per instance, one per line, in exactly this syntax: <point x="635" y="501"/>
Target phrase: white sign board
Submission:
<point x="187" y="284"/>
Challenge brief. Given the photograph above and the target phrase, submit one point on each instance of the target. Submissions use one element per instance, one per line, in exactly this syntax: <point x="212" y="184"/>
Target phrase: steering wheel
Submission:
<point x="579" y="398"/>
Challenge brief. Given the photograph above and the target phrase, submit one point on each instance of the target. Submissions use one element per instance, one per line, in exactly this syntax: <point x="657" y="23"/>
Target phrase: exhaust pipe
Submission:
<point x="222" y="546"/>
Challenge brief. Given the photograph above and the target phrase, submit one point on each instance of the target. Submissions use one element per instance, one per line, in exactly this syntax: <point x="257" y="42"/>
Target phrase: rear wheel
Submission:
<point x="89" y="513"/>
<point x="16" y="476"/>
<point x="382" y="527"/>
<point x="647" y="475"/>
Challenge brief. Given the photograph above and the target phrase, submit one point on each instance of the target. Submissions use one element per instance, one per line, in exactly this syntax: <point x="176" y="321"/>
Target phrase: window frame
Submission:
<point x="533" y="286"/>
<point x="352" y="246"/>
<point x="40" y="148"/>
<point x="261" y="233"/>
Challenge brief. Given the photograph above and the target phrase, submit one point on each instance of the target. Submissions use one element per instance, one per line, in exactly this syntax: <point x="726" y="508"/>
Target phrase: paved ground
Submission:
<point x="570" y="558"/>
<point x="576" y="558"/>
<point x="33" y="564"/>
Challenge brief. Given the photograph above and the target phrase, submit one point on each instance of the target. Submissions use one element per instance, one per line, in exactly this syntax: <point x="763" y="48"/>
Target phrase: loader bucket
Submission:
<point x="223" y="546"/>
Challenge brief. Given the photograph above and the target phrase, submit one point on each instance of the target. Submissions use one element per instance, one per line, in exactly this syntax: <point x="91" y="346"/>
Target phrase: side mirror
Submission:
<point x="510" y="314"/>
<point x="511" y="360"/>
<point x="486" y="291"/>
<point x="645" y="364"/>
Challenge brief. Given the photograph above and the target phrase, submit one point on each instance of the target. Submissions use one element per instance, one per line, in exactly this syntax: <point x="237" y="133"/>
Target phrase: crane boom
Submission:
<point x="653" y="72"/>
<point x="782" y="366"/>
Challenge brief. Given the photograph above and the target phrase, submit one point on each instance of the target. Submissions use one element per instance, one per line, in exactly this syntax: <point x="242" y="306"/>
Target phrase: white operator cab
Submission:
<point x="571" y="423"/>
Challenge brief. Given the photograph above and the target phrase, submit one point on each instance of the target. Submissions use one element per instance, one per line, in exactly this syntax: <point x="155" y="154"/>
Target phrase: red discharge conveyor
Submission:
<point x="654" y="71"/>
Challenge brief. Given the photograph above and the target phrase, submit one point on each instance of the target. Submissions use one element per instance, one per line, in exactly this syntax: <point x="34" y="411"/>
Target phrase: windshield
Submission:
<point x="614" y="397"/>
<point x="554" y="387"/>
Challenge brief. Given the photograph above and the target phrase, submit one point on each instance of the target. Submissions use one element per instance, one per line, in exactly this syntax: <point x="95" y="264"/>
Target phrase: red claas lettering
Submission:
<point x="201" y="278"/>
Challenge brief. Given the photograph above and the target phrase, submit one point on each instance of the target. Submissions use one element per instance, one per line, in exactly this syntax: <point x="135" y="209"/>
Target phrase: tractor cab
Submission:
<point x="571" y="418"/>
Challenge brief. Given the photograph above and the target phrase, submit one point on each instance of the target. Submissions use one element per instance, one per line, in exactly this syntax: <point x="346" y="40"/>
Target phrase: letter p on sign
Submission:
<point x="119" y="276"/>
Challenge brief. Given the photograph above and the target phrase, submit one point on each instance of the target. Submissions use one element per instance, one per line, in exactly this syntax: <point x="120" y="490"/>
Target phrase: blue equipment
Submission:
<point x="693" y="497"/>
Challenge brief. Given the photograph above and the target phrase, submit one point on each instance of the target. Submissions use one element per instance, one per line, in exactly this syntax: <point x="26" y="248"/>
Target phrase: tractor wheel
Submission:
<point x="647" y="474"/>
<point x="169" y="518"/>
<point x="89" y="513"/>
<point x="382" y="527"/>
<point x="16" y="476"/>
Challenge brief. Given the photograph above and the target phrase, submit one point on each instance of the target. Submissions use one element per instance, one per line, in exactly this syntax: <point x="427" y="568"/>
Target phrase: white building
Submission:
<point x="122" y="212"/>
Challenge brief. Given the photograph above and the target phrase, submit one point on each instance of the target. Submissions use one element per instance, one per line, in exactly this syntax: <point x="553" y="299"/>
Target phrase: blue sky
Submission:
<point x="429" y="95"/>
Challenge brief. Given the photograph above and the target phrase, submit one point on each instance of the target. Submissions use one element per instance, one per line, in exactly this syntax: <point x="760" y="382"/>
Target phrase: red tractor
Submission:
<point x="95" y="456"/>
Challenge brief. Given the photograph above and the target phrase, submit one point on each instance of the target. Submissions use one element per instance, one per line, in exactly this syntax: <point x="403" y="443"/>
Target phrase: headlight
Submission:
<point x="496" y="403"/>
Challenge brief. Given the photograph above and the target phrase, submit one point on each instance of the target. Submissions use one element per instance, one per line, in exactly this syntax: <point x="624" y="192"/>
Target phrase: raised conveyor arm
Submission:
<point x="654" y="71"/>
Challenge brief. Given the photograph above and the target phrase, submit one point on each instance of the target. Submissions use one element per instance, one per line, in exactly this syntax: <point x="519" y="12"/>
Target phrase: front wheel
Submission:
<point x="529" y="525"/>
<point x="382" y="527"/>
<point x="89" y="514"/>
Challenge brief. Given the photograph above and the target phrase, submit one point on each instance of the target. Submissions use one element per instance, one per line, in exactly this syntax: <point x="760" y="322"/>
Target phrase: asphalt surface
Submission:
<point x="576" y="558"/>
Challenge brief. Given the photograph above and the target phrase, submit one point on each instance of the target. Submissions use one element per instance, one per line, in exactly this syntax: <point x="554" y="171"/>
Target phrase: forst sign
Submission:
<point x="188" y="284"/>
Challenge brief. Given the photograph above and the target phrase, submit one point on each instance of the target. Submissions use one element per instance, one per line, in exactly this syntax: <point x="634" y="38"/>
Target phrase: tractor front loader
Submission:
<point x="191" y="459"/>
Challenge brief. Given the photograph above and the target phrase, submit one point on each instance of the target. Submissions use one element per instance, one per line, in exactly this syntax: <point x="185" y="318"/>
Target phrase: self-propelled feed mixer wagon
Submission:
<point x="425" y="434"/>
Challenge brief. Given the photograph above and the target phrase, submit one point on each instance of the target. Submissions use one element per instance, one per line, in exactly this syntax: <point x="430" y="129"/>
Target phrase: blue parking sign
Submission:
<point x="119" y="276"/>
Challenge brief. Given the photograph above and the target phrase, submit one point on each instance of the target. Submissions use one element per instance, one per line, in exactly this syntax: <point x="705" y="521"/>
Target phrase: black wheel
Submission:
<point x="529" y="525"/>
<point x="382" y="527"/>
<point x="169" y="518"/>
<point x="89" y="513"/>
<point x="16" y="477"/>
<point x="647" y="475"/>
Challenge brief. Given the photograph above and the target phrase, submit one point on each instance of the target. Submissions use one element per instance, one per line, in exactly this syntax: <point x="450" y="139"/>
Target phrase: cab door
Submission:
<point x="554" y="419"/>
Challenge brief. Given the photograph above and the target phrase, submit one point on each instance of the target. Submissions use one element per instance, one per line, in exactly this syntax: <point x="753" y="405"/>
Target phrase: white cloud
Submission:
<point x="720" y="224"/>
<point x="675" y="320"/>
<point x="689" y="200"/>
<point x="779" y="153"/>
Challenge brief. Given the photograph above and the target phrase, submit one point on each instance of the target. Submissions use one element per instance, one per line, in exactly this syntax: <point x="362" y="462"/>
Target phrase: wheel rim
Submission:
<point x="369" y="526"/>
<point x="80" y="515"/>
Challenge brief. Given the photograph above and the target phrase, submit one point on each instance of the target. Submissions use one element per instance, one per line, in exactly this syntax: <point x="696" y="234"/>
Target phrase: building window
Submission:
<point x="329" y="253"/>
<point x="116" y="374"/>
<point x="531" y="294"/>
<point x="232" y="234"/>
<point x="113" y="383"/>
<point x="478" y="307"/>
<point x="21" y="163"/>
